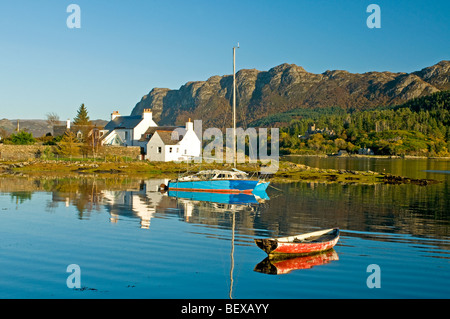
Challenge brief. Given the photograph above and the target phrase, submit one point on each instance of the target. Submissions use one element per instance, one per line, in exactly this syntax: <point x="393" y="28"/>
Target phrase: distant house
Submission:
<point x="126" y="130"/>
<point x="170" y="143"/>
<point x="313" y="130"/>
<point x="81" y="132"/>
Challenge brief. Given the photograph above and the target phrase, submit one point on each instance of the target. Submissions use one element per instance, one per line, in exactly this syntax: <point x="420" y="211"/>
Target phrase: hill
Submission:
<point x="419" y="127"/>
<point x="285" y="88"/>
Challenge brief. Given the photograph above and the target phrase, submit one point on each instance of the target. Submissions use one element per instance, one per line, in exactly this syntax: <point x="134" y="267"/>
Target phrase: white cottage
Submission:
<point x="127" y="130"/>
<point x="169" y="143"/>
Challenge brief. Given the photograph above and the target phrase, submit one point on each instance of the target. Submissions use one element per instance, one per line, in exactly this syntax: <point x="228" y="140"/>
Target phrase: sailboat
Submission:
<point x="221" y="181"/>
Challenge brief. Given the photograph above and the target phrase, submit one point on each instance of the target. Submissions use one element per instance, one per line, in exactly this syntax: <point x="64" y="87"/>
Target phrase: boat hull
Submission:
<point x="325" y="240"/>
<point x="215" y="186"/>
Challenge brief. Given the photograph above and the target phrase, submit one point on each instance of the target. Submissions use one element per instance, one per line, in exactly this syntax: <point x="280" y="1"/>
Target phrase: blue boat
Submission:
<point x="218" y="181"/>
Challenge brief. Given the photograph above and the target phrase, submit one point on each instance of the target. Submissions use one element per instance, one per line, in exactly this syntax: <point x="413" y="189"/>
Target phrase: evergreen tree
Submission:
<point x="82" y="117"/>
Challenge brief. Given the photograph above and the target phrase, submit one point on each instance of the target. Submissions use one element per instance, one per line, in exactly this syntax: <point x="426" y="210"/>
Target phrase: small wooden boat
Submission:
<point x="299" y="245"/>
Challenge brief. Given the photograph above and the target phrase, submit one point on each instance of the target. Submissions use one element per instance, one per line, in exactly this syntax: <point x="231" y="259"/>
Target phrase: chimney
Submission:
<point x="147" y="114"/>
<point x="189" y="125"/>
<point x="68" y="124"/>
<point x="114" y="115"/>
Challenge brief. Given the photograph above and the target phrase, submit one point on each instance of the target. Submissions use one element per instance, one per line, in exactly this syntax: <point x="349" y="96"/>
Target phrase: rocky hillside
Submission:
<point x="286" y="87"/>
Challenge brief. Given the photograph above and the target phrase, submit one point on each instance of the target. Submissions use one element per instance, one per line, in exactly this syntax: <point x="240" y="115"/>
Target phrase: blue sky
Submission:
<point x="125" y="48"/>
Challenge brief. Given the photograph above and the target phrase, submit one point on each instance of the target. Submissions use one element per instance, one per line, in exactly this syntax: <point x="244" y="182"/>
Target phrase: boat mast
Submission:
<point x="234" y="104"/>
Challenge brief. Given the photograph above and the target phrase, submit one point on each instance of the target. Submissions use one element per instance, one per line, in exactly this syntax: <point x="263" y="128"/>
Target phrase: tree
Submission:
<point x="22" y="138"/>
<point x="82" y="117"/>
<point x="3" y="134"/>
<point x="340" y="144"/>
<point x="315" y="142"/>
<point x="52" y="119"/>
<point x="69" y="145"/>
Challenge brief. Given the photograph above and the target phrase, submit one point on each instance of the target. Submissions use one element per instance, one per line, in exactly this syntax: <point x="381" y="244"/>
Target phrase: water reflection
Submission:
<point x="197" y="204"/>
<point x="282" y="266"/>
<point x="430" y="168"/>
<point x="421" y="211"/>
<point x="132" y="199"/>
<point x="397" y="226"/>
<point x="142" y="202"/>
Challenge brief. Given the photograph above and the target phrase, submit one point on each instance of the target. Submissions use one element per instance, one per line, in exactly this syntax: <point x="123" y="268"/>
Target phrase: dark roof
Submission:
<point x="126" y="122"/>
<point x="152" y="129"/>
<point x="166" y="137"/>
<point x="59" y="130"/>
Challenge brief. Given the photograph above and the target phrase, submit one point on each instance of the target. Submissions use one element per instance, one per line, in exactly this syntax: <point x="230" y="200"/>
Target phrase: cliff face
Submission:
<point x="286" y="87"/>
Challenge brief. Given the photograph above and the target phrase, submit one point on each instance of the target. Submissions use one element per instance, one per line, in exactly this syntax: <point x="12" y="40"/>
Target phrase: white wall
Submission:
<point x="175" y="152"/>
<point x="173" y="155"/>
<point x="191" y="143"/>
<point x="124" y="134"/>
<point x="110" y="139"/>
<point x="152" y="147"/>
<point x="189" y="146"/>
<point x="147" y="121"/>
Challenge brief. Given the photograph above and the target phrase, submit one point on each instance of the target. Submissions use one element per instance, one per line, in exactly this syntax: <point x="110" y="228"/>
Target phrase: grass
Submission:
<point x="287" y="171"/>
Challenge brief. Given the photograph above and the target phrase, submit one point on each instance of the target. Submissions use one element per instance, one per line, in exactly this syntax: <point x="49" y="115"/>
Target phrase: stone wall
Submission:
<point x="133" y="152"/>
<point x="29" y="152"/>
<point x="20" y="152"/>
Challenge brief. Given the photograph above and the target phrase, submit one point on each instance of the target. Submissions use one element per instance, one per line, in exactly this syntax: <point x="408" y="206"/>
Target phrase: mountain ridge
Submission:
<point x="286" y="87"/>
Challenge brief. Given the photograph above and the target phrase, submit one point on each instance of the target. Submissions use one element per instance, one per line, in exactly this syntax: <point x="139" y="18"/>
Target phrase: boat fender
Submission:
<point x="163" y="187"/>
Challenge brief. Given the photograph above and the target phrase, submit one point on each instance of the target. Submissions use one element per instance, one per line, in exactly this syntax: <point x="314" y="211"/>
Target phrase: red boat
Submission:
<point x="299" y="245"/>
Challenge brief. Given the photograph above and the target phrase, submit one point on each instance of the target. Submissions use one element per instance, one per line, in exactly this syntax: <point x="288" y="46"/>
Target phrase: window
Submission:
<point x="126" y="135"/>
<point x="170" y="150"/>
<point x="159" y="149"/>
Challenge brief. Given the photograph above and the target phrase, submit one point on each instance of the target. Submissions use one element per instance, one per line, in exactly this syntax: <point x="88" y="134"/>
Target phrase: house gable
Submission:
<point x="130" y="128"/>
<point x="161" y="146"/>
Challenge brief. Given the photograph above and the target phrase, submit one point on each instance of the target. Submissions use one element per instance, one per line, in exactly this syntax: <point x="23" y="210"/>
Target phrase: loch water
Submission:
<point x="131" y="241"/>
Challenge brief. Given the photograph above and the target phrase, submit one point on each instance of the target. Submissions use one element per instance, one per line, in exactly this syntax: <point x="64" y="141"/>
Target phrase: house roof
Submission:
<point x="166" y="137"/>
<point x="152" y="129"/>
<point x="126" y="122"/>
<point x="59" y="130"/>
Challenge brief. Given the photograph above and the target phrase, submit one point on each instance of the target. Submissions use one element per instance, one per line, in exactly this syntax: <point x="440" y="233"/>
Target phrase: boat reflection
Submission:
<point x="211" y="208"/>
<point x="219" y="202"/>
<point x="280" y="266"/>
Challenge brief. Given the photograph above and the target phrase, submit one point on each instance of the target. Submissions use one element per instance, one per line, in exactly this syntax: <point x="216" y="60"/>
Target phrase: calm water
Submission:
<point x="133" y="242"/>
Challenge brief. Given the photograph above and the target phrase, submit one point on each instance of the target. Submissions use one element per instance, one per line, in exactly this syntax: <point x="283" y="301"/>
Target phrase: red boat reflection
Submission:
<point x="279" y="266"/>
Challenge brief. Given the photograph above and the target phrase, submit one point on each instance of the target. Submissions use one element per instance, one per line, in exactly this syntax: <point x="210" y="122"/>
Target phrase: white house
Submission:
<point x="127" y="130"/>
<point x="168" y="144"/>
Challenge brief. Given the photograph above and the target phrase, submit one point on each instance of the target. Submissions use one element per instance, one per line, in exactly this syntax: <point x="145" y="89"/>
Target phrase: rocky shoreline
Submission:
<point x="287" y="171"/>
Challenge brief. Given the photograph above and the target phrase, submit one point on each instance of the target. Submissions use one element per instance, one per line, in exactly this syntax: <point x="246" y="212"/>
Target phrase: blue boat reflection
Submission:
<point x="222" y="198"/>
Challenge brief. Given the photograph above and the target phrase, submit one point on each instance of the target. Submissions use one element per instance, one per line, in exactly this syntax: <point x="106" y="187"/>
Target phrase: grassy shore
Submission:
<point x="287" y="171"/>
